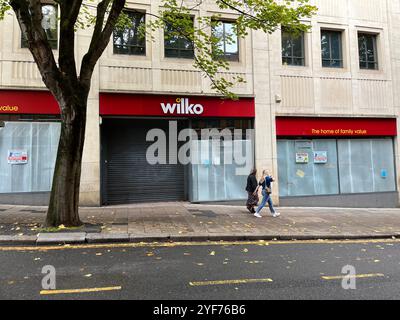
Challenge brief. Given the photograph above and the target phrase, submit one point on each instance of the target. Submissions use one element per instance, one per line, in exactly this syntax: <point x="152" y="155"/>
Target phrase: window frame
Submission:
<point x="179" y="49"/>
<point x="331" y="59"/>
<point x="228" y="57"/>
<point x="24" y="42"/>
<point x="366" y="63"/>
<point x="292" y="57"/>
<point x="137" y="46"/>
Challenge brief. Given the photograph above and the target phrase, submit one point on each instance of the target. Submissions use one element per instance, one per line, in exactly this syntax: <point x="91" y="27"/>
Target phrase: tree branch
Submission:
<point x="101" y="37"/>
<point x="29" y="16"/>
<point x="69" y="11"/>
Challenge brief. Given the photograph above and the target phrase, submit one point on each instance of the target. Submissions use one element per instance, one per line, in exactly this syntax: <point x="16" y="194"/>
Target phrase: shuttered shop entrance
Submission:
<point x="127" y="176"/>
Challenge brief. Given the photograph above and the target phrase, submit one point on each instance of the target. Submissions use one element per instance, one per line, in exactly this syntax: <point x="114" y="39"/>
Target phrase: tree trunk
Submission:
<point x="64" y="199"/>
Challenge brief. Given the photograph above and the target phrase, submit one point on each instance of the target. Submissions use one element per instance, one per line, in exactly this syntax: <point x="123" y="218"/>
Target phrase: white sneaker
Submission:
<point x="276" y="215"/>
<point x="257" y="215"/>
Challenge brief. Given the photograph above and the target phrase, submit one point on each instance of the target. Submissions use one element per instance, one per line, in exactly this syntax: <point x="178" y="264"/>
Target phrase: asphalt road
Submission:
<point x="277" y="270"/>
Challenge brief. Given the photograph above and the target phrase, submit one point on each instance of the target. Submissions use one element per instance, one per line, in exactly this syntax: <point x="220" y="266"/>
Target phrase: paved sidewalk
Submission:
<point x="193" y="222"/>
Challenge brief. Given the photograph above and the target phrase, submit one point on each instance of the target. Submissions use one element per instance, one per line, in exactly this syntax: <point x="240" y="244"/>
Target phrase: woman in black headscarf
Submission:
<point x="251" y="189"/>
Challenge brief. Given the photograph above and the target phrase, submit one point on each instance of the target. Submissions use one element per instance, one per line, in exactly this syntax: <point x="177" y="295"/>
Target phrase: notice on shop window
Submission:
<point x="320" y="157"/>
<point x="17" y="157"/>
<point x="302" y="157"/>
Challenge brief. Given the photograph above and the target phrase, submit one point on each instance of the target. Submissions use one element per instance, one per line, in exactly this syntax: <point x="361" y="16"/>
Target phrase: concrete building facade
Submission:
<point x="325" y="121"/>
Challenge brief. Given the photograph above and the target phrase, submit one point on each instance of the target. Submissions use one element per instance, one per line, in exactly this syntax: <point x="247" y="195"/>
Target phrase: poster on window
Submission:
<point x="301" y="157"/>
<point x="17" y="157"/>
<point x="320" y="157"/>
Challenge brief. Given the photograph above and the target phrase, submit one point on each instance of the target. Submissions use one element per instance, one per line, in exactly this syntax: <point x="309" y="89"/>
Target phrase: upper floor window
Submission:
<point x="228" y="42"/>
<point x="177" y="44"/>
<point x="49" y="24"/>
<point x="367" y="51"/>
<point x="331" y="49"/>
<point x="130" y="39"/>
<point x="293" y="48"/>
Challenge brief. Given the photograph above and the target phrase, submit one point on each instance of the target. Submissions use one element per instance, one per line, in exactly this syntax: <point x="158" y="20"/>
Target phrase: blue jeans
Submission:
<point x="266" y="199"/>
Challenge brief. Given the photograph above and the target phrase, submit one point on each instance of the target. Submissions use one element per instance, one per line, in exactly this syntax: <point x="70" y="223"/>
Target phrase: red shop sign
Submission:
<point x="335" y="127"/>
<point x="27" y="102"/>
<point x="175" y="106"/>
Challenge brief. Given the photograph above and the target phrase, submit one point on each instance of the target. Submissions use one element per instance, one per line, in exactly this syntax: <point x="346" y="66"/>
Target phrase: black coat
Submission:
<point x="252" y="183"/>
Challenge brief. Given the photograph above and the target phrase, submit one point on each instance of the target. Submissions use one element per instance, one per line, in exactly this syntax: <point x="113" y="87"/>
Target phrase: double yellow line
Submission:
<point x="225" y="282"/>
<point x="357" y="276"/>
<point x="84" y="290"/>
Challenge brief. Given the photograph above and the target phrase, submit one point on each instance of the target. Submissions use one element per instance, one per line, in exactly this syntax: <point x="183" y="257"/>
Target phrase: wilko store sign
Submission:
<point x="114" y="104"/>
<point x="182" y="107"/>
<point x="335" y="127"/>
<point x="27" y="102"/>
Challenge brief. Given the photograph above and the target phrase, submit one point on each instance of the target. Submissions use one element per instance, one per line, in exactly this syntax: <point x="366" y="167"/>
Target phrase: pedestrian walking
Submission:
<point x="265" y="185"/>
<point x="251" y="188"/>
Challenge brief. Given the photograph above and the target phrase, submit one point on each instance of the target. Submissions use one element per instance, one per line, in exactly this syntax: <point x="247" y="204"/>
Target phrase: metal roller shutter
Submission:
<point x="127" y="177"/>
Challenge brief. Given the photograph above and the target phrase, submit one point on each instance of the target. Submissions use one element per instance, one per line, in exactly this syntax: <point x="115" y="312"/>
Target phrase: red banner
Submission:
<point x="175" y="106"/>
<point x="335" y="127"/>
<point x="27" y="102"/>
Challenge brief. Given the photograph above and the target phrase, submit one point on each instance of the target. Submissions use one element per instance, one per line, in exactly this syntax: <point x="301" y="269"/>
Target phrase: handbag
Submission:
<point x="268" y="190"/>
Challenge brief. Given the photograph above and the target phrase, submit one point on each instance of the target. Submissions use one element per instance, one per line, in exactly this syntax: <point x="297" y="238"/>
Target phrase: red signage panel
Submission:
<point x="335" y="127"/>
<point x="27" y="102"/>
<point x="174" y="106"/>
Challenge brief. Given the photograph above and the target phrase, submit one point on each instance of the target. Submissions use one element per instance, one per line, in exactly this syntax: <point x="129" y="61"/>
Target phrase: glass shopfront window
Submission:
<point x="27" y="156"/>
<point x="221" y="171"/>
<point x="335" y="166"/>
<point x="366" y="165"/>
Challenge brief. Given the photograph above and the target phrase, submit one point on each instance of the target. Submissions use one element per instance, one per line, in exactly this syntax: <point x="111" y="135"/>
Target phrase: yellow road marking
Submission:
<point x="189" y="244"/>
<point x="224" y="282"/>
<point x="84" y="290"/>
<point x="371" y="275"/>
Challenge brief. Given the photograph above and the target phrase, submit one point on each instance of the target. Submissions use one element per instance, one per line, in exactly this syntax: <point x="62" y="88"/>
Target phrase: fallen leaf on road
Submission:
<point x="212" y="253"/>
